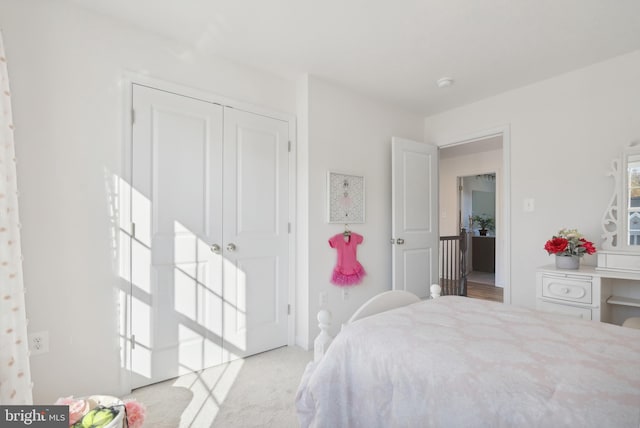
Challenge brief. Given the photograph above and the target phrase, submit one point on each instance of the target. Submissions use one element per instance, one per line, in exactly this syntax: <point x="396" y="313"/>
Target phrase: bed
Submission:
<point x="460" y="362"/>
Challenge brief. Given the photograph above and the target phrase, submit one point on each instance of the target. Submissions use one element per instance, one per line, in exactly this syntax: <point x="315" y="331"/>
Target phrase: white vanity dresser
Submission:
<point x="589" y="293"/>
<point x="610" y="291"/>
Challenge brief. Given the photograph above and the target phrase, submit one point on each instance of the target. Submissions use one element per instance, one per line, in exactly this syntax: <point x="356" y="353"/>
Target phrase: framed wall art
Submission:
<point x="345" y="198"/>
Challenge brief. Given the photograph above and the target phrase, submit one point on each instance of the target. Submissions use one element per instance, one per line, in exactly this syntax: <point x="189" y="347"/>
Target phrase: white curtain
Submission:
<point x="15" y="375"/>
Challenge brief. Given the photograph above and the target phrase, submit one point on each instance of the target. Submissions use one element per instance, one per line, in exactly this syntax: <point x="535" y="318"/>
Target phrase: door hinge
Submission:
<point x="289" y="146"/>
<point x="288" y="309"/>
<point x="133" y="341"/>
<point x="288" y="227"/>
<point x="133" y="230"/>
<point x="133" y="116"/>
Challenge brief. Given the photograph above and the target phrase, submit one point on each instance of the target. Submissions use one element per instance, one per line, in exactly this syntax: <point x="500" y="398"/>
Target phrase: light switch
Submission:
<point x="528" y="205"/>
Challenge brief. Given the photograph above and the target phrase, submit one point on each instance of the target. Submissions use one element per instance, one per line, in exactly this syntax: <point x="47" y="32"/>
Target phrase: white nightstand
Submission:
<point x="576" y="293"/>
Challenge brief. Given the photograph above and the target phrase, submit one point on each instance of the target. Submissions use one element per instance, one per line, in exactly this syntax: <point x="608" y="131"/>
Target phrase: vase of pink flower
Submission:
<point x="569" y="245"/>
<point x="110" y="411"/>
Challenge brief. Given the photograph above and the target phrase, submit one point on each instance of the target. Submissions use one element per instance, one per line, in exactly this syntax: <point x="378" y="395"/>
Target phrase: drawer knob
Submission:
<point x="565" y="290"/>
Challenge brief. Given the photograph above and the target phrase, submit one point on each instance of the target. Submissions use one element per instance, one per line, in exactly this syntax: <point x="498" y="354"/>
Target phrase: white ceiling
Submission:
<point x="396" y="50"/>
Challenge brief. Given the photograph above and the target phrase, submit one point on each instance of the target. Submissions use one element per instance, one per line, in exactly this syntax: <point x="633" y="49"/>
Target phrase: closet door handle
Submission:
<point x="400" y="241"/>
<point x="215" y="248"/>
<point x="231" y="247"/>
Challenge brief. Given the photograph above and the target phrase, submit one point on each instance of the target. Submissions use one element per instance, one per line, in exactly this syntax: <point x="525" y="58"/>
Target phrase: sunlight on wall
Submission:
<point x="141" y="314"/>
<point x="134" y="294"/>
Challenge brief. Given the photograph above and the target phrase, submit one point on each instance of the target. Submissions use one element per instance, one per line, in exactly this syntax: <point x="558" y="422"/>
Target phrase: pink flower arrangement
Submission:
<point x="136" y="413"/>
<point x="77" y="408"/>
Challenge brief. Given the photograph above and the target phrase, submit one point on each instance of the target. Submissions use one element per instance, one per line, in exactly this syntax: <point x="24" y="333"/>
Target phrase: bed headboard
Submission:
<point x="379" y="303"/>
<point x="384" y="302"/>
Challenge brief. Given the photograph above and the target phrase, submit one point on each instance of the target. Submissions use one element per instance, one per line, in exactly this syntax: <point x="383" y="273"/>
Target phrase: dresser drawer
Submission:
<point x="573" y="311"/>
<point x="567" y="289"/>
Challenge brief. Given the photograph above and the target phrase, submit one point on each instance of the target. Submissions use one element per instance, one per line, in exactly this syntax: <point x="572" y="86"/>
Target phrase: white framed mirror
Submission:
<point x="621" y="220"/>
<point x="632" y="201"/>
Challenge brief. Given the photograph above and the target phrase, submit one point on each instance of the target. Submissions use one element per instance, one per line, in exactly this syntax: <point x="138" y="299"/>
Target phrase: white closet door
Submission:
<point x="414" y="216"/>
<point x="210" y="253"/>
<point x="176" y="194"/>
<point x="255" y="233"/>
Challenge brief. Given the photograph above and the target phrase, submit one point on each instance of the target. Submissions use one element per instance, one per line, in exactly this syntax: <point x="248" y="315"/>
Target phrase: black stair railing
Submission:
<point x="453" y="264"/>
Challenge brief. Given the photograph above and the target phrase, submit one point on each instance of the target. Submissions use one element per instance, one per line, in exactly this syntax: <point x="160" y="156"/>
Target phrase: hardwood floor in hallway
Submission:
<point x="480" y="285"/>
<point x="477" y="290"/>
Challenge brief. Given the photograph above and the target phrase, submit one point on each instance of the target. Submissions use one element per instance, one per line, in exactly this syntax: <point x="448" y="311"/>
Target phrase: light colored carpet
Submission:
<point x="258" y="391"/>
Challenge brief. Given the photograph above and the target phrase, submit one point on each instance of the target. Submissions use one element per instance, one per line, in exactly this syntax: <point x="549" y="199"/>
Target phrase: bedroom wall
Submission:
<point x="301" y="308"/>
<point x="350" y="133"/>
<point x="564" y="133"/>
<point x="66" y="67"/>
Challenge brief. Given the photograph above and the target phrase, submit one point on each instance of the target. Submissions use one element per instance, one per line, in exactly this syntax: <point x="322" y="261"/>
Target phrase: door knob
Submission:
<point x="231" y="247"/>
<point x="215" y="248"/>
<point x="399" y="241"/>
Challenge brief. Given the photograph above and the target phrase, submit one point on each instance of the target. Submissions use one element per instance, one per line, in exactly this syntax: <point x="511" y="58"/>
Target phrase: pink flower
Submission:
<point x="77" y="408"/>
<point x="136" y="413"/>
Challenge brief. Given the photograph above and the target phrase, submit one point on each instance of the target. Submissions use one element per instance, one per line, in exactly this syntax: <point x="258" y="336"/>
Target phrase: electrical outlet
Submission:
<point x="39" y="342"/>
<point x="323" y="299"/>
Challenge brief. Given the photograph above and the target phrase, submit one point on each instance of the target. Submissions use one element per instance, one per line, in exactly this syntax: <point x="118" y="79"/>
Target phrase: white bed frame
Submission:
<point x="379" y="303"/>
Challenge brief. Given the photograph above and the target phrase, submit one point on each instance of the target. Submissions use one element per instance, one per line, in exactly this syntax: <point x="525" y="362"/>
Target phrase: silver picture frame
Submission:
<point x="345" y="198"/>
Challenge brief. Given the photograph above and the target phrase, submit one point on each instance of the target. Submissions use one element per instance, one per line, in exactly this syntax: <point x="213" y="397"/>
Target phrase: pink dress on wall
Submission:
<point x="348" y="270"/>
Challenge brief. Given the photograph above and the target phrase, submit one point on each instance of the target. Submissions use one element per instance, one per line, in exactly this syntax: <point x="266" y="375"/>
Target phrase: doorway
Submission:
<point x="477" y="214"/>
<point x="477" y="202"/>
<point x="481" y="161"/>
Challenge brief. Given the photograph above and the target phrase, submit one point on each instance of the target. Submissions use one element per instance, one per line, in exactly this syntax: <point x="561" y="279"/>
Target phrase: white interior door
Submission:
<point x="255" y="233"/>
<point x="176" y="194"/>
<point x="414" y="216"/>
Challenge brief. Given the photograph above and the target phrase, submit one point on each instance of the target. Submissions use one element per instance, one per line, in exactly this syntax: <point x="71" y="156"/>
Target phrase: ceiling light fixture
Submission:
<point x="444" y="82"/>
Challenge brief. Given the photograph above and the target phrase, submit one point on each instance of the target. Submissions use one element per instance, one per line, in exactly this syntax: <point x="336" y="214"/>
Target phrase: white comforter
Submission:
<point x="459" y="362"/>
